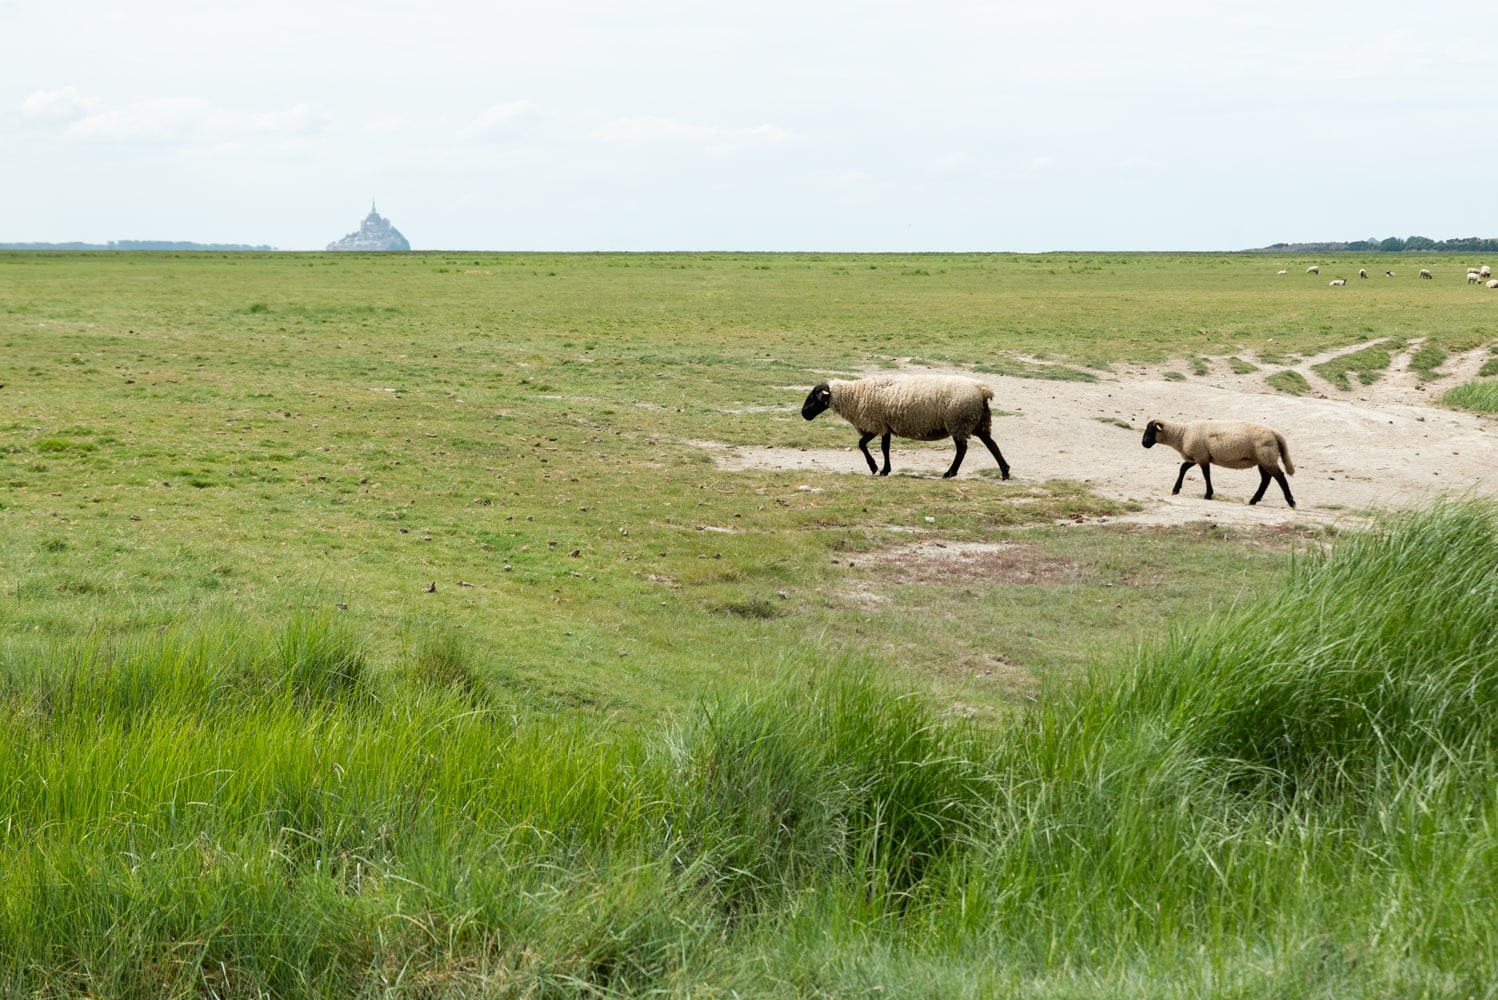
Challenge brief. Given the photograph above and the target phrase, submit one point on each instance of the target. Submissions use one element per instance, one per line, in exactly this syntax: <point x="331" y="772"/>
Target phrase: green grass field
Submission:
<point x="374" y="625"/>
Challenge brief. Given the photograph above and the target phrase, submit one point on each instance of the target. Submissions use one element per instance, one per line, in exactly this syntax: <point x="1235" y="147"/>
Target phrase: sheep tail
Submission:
<point x="1285" y="453"/>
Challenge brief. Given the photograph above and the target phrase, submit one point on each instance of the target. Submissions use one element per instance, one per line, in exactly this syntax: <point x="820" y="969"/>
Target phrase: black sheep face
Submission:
<point x="1149" y="433"/>
<point x="817" y="402"/>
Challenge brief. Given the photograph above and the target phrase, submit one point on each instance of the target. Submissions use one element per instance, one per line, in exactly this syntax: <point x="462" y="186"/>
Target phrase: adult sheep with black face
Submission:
<point x="918" y="407"/>
<point x="1232" y="444"/>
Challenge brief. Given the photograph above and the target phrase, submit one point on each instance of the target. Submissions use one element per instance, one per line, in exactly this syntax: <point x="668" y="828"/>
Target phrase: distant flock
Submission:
<point x="1475" y="275"/>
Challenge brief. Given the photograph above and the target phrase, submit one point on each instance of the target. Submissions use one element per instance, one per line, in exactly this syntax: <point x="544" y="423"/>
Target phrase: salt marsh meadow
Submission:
<point x="380" y="625"/>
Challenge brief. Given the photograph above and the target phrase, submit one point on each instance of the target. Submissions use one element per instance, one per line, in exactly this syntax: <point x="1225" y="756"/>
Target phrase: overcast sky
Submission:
<point x="834" y="125"/>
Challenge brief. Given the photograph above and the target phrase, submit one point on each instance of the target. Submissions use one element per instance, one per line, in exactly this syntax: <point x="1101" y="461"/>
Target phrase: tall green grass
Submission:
<point x="1295" y="797"/>
<point x="1481" y="396"/>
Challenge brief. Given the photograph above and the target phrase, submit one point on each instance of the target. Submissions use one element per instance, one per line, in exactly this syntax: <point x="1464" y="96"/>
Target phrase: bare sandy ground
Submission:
<point x="1377" y="447"/>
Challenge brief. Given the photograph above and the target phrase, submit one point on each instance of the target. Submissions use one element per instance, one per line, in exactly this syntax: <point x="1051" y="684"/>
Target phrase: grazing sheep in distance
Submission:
<point x="1388" y="274"/>
<point x="1473" y="277"/>
<point x="1493" y="282"/>
<point x="1485" y="271"/>
<point x="1232" y="444"/>
<point x="1283" y="271"/>
<point x="1337" y="282"/>
<point x="1362" y="272"/>
<point x="919" y="407"/>
<point x="1424" y="273"/>
<point x="1313" y="269"/>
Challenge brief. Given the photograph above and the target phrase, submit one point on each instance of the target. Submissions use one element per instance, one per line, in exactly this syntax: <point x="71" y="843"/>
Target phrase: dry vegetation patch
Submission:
<point x="953" y="563"/>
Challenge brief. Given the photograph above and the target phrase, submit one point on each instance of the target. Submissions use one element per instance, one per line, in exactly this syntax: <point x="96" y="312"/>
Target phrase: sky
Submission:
<point x="778" y="125"/>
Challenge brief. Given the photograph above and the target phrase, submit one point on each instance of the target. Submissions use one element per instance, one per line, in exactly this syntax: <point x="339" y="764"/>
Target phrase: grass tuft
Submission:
<point x="1367" y="365"/>
<point x="1288" y="381"/>
<point x="1376" y="654"/>
<point x="319" y="660"/>
<point x="1479" y="396"/>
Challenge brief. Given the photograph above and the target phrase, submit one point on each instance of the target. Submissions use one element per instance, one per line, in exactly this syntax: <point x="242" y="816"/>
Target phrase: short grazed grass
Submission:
<point x="1426" y="359"/>
<point x="1289" y="381"/>
<point x="1367" y="365"/>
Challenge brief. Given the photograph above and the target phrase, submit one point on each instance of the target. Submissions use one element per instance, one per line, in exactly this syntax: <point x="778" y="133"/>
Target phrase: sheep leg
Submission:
<point x="1181" y="478"/>
<point x="863" y="446"/>
<point x="1263" y="484"/>
<point x="957" y="460"/>
<point x="1279" y="477"/>
<point x="884" y="447"/>
<point x="1207" y="475"/>
<point x="987" y="439"/>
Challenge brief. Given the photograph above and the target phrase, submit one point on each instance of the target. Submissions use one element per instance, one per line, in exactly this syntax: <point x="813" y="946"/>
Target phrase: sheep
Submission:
<point x="1493" y="282"/>
<point x="1388" y="274"/>
<point x="1485" y="271"/>
<point x="1473" y="277"/>
<point x="1337" y="282"/>
<point x="1362" y="272"/>
<point x="1424" y="273"/>
<point x="1232" y="444"/>
<point x="1283" y="271"/>
<point x="1313" y="269"/>
<point x="919" y="407"/>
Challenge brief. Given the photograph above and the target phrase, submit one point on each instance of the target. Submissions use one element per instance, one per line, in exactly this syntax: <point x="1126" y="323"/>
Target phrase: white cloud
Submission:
<point x="67" y="102"/>
<point x="383" y="127"/>
<point x="499" y="117"/>
<point x="648" y="129"/>
<point x="303" y="119"/>
<point x="953" y="164"/>
<point x="187" y="120"/>
<point x="146" y="119"/>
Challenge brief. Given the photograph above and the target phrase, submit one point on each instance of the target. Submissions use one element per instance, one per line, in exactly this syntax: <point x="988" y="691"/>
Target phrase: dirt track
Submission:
<point x="1376" y="447"/>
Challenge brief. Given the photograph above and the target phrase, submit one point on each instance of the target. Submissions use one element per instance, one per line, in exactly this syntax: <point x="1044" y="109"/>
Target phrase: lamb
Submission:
<point x="1232" y="444"/>
<point x="1313" y="269"/>
<point x="1337" y="282"/>
<point x="919" y="407"/>
<point x="1424" y="273"/>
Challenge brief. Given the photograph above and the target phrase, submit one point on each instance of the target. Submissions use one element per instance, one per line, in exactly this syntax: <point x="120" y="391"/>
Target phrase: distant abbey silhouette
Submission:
<point x="375" y="233"/>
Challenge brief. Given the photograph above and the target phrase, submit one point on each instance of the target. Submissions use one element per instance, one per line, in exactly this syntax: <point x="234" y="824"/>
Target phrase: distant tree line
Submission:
<point x="1397" y="244"/>
<point x="134" y="245"/>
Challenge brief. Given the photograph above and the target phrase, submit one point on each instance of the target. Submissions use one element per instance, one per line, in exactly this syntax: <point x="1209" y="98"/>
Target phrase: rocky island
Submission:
<point x="375" y="233"/>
